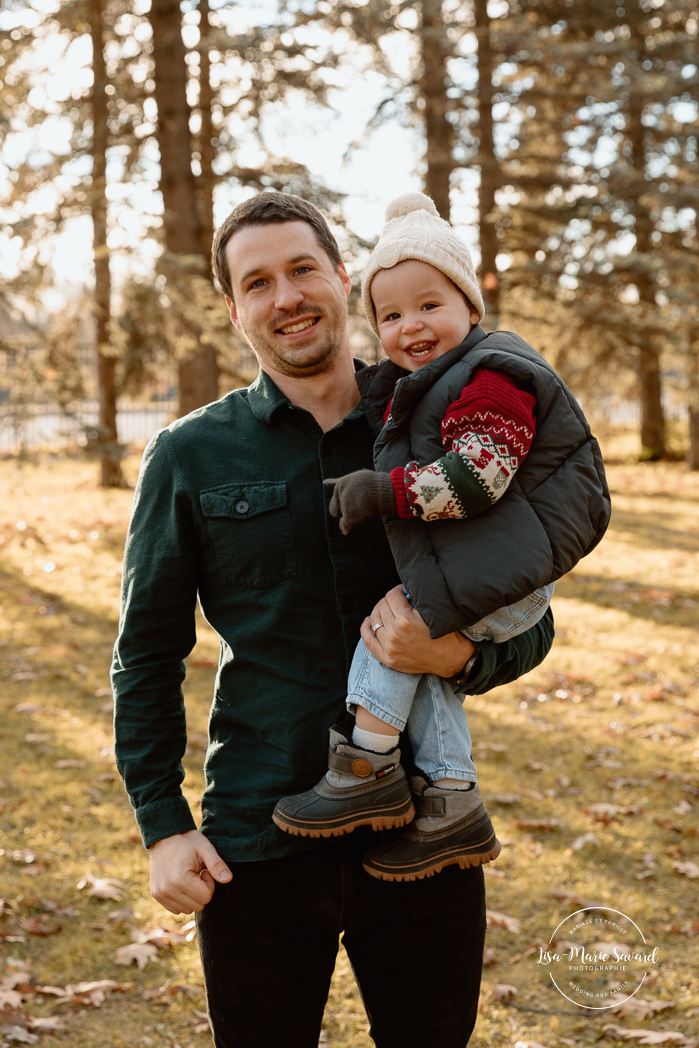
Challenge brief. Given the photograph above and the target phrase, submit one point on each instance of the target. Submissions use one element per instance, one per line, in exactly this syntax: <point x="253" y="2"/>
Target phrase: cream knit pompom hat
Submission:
<point x="414" y="230"/>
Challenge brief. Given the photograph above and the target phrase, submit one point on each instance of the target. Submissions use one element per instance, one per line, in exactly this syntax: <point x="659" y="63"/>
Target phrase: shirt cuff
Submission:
<point x="402" y="505"/>
<point x="481" y="672"/>
<point x="164" y="818"/>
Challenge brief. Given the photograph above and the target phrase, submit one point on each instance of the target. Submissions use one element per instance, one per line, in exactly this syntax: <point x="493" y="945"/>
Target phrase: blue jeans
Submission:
<point x="426" y="704"/>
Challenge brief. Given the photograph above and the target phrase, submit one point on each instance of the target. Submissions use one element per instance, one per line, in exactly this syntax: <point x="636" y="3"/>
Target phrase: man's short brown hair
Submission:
<point x="264" y="210"/>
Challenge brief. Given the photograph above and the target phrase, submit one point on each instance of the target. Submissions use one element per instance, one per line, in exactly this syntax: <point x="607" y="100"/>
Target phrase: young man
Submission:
<point x="231" y="508"/>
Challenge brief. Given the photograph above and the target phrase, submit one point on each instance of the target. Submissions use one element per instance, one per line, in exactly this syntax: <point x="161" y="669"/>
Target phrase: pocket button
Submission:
<point x="242" y="506"/>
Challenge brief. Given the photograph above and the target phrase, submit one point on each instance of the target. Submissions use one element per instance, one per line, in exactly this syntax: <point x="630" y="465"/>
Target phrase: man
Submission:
<point x="231" y="507"/>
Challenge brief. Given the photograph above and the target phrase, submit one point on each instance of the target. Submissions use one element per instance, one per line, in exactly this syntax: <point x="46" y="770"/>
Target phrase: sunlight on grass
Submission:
<point x="611" y="717"/>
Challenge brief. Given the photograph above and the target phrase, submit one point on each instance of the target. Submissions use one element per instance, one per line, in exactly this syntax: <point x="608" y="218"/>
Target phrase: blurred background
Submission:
<point x="558" y="136"/>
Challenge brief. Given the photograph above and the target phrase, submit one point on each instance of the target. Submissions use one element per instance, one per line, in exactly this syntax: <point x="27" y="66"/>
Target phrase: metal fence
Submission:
<point x="43" y="427"/>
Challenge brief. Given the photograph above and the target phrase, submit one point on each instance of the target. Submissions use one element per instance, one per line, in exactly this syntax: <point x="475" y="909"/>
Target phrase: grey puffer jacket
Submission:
<point x="554" y="512"/>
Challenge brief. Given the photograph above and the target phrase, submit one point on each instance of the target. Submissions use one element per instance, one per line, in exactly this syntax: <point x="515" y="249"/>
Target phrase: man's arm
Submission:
<point x="404" y="644"/>
<point x="156" y="633"/>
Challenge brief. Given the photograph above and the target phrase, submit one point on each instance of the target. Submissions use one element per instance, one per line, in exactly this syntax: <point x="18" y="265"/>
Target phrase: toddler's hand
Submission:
<point x="360" y="496"/>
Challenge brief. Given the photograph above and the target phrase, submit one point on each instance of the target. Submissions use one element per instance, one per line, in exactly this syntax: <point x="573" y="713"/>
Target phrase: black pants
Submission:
<point x="269" y="940"/>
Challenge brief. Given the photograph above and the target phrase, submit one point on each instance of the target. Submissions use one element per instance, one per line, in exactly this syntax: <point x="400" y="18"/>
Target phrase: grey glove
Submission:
<point x="360" y="496"/>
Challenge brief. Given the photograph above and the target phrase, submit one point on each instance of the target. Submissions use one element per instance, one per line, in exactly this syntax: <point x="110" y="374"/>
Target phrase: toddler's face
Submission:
<point x="420" y="314"/>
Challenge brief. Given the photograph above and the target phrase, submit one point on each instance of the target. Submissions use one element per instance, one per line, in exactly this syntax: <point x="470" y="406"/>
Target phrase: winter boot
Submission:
<point x="450" y="826"/>
<point x="380" y="799"/>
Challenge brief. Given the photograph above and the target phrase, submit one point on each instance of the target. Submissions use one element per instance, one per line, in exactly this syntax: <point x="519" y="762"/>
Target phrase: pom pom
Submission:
<point x="403" y="205"/>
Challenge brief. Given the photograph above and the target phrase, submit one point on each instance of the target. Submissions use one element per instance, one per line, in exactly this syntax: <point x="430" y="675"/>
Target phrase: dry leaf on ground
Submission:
<point x="528" y="1044"/>
<point x="93" y="993"/>
<point x="102" y="887"/>
<point x="573" y="899"/>
<point x="507" y="798"/>
<point x="538" y="824"/>
<point x="603" y="809"/>
<point x="18" y="1034"/>
<point x="159" y="937"/>
<point x="503" y="992"/>
<point x="639" y="1007"/>
<point x="501" y="920"/>
<point x="621" y="1033"/>
<point x="688" y="869"/>
<point x="587" y="838"/>
<point x="49" y="1025"/>
<point x="141" y="953"/>
<point x="10" y="999"/>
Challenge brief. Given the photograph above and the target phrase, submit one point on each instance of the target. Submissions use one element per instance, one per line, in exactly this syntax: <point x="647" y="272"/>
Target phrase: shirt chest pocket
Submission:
<point x="249" y="525"/>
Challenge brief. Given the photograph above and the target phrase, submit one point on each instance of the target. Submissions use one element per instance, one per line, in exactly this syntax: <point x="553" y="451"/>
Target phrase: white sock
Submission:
<point x="372" y="740"/>
<point x="453" y="784"/>
<point x="365" y="740"/>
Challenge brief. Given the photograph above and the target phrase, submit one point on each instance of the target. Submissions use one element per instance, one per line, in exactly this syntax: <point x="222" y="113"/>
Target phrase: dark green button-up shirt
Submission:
<point x="230" y="507"/>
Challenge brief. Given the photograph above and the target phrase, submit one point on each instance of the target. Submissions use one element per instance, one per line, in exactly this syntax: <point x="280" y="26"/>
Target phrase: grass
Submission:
<point x="615" y="700"/>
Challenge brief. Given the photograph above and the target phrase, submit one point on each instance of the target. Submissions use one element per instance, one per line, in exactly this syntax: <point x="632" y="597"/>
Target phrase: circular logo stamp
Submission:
<point x="598" y="958"/>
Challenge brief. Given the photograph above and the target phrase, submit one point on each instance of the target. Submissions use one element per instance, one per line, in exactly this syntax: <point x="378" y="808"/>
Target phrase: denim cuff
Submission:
<point x="164" y="818"/>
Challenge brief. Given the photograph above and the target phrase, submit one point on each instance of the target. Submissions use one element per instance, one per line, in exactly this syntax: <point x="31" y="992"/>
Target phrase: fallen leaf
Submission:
<point x="93" y="993"/>
<point x="621" y="1033"/>
<point x="604" y="812"/>
<point x="102" y="887"/>
<point x="489" y="958"/>
<point x="10" y="999"/>
<point x="14" y="979"/>
<point x="503" y="992"/>
<point x="19" y="1034"/>
<point x="688" y="869"/>
<point x="536" y="766"/>
<point x="573" y="899"/>
<point x="51" y="1024"/>
<point x="528" y="1044"/>
<point x="507" y="798"/>
<point x="141" y="953"/>
<point x="639" y="1007"/>
<point x="35" y="926"/>
<point x="587" y="838"/>
<point x="501" y="920"/>
<point x="70" y="762"/>
<point x="538" y="824"/>
<point x="682" y="807"/>
<point x="158" y="936"/>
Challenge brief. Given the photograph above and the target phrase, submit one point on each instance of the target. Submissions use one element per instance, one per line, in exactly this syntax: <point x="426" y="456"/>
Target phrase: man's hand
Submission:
<point x="184" y="870"/>
<point x="404" y="642"/>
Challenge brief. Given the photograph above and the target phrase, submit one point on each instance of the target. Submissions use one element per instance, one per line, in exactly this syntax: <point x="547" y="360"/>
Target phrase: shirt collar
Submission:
<point x="264" y="397"/>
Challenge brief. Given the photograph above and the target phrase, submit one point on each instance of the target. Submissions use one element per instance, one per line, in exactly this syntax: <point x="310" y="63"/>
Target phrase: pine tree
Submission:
<point x="600" y="232"/>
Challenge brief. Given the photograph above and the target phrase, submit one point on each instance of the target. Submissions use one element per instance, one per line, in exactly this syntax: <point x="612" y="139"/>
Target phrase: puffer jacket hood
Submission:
<point x="554" y="512"/>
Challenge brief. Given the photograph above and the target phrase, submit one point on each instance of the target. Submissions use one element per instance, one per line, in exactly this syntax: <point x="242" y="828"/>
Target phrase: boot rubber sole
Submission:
<point x="428" y="867"/>
<point x="378" y="819"/>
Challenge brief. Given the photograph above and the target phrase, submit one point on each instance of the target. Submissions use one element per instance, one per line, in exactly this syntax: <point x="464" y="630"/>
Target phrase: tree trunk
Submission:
<point x="432" y="85"/>
<point x="198" y="372"/>
<point x="490" y="280"/>
<point x="649" y="375"/>
<point x="207" y="150"/>
<point x="693" y="452"/>
<point x="111" y="475"/>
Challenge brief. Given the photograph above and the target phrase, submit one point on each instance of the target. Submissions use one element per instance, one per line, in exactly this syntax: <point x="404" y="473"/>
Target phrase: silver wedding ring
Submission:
<point x="377" y="627"/>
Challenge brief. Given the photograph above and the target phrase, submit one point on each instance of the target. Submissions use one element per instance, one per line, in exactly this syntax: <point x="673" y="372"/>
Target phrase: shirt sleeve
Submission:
<point x="156" y="633"/>
<point x="502" y="663"/>
<point x="486" y="434"/>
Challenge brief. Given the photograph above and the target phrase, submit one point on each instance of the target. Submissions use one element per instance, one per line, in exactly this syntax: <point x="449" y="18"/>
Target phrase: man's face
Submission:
<point x="289" y="302"/>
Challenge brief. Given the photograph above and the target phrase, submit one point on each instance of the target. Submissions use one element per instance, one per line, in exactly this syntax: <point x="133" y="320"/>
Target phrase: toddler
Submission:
<point x="502" y="493"/>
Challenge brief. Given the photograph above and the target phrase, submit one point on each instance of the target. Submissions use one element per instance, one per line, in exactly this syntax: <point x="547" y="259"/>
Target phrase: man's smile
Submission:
<point x="296" y="326"/>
